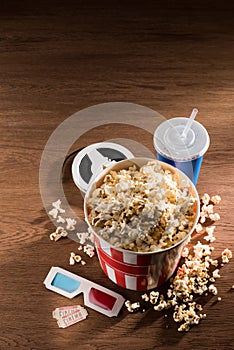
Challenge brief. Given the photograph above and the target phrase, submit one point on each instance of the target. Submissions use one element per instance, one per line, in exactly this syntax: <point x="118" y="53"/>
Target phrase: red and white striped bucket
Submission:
<point x="138" y="270"/>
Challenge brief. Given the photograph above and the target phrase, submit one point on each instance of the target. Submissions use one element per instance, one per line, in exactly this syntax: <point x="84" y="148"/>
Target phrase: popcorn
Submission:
<point x="85" y="236"/>
<point x="154" y="297"/>
<point x="145" y="297"/>
<point x="89" y="250"/>
<point x="185" y="252"/>
<point x="70" y="224"/>
<point x="216" y="273"/>
<point x="210" y="209"/>
<point x="131" y="307"/>
<point x="184" y="327"/>
<point x="207" y="210"/>
<point x="135" y="306"/>
<point x="128" y="305"/>
<point x="52" y="236"/>
<point x="77" y="258"/>
<point x="203" y="220"/>
<point x="226" y="255"/>
<point x="57" y="206"/>
<point x="162" y="305"/>
<point x="149" y="199"/>
<point x="213" y="289"/>
<point x="214" y="262"/>
<point x="59" y="233"/>
<point x="53" y="212"/>
<point x="198" y="228"/>
<point x="192" y="278"/>
<point x="214" y="217"/>
<point x="216" y="199"/>
<point x="74" y="258"/>
<point x="205" y="199"/>
<point x="210" y="230"/>
<point x="60" y="219"/>
<point x="71" y="261"/>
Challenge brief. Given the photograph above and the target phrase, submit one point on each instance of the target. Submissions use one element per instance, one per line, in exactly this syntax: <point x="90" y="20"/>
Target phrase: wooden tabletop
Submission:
<point x="57" y="58"/>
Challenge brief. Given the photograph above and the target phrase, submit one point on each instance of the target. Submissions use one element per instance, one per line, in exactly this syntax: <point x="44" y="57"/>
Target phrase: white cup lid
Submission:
<point x="92" y="160"/>
<point x="169" y="143"/>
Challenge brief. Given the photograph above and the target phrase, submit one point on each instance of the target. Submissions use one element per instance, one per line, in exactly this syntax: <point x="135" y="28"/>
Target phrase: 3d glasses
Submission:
<point x="96" y="297"/>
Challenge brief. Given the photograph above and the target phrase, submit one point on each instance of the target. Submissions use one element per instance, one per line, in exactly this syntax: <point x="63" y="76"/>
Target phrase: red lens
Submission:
<point x="101" y="299"/>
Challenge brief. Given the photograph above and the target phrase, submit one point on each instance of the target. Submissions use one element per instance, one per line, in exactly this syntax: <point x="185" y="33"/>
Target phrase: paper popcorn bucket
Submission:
<point x="139" y="270"/>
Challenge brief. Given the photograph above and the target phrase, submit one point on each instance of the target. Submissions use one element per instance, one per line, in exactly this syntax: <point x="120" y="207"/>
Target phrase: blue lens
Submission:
<point x="65" y="283"/>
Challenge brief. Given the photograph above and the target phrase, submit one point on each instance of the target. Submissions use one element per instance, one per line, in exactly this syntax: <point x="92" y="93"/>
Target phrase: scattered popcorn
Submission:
<point x="128" y="305"/>
<point x="142" y="209"/>
<point x="52" y="236"/>
<point x="135" y="305"/>
<point x="184" y="327"/>
<point x="216" y="199"/>
<point x="216" y="273"/>
<point x="185" y="252"/>
<point x="71" y="261"/>
<point x="226" y="255"/>
<point x="219" y="298"/>
<point x="210" y="209"/>
<point x="57" y="205"/>
<point x="210" y="230"/>
<point x="54" y="213"/>
<point x="145" y="297"/>
<point x="207" y="210"/>
<point x="59" y="233"/>
<point x="213" y="289"/>
<point x="203" y="220"/>
<point x="60" y="219"/>
<point x="74" y="258"/>
<point x="132" y="307"/>
<point x="154" y="297"/>
<point x="201" y="250"/>
<point x="198" y="228"/>
<point x="80" y="247"/>
<point x="85" y="236"/>
<point x="77" y="258"/>
<point x="192" y="279"/>
<point x="205" y="199"/>
<point x="162" y="305"/>
<point x="214" y="217"/>
<point x="214" y="262"/>
<point x="70" y="224"/>
<point x="83" y="262"/>
<point x="210" y="238"/>
<point x="89" y="250"/>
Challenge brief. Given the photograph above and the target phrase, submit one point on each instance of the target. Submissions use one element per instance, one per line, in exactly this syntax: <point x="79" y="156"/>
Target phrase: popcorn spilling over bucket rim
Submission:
<point x="161" y="264"/>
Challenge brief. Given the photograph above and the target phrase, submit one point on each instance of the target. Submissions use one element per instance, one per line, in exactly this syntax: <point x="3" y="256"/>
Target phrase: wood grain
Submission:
<point x="58" y="57"/>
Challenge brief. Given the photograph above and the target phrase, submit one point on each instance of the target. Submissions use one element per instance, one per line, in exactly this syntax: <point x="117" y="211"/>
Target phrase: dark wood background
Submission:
<point x="59" y="57"/>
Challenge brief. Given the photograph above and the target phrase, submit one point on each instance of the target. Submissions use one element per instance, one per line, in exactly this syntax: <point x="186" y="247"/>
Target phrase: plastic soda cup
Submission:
<point x="185" y="153"/>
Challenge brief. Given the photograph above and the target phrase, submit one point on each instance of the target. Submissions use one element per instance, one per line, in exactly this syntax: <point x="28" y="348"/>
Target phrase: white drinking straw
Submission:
<point x="189" y="123"/>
